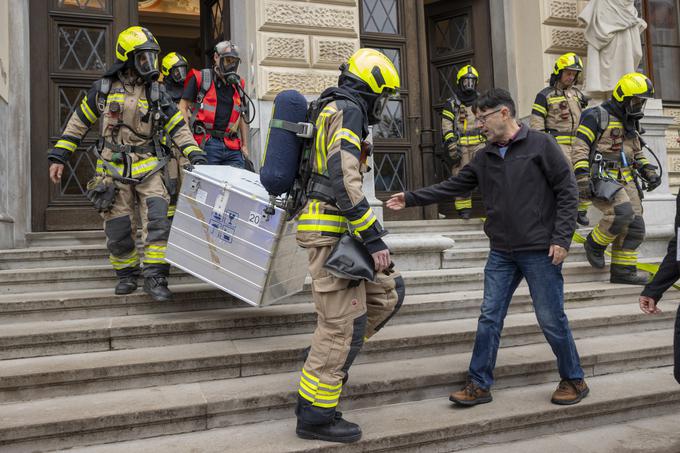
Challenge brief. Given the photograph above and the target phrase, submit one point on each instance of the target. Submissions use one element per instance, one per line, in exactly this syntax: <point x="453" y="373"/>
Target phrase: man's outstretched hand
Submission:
<point x="396" y="202"/>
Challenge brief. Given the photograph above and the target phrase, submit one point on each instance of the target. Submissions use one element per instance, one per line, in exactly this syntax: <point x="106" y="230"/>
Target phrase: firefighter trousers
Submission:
<point x="464" y="201"/>
<point x="347" y="315"/>
<point x="583" y="203"/>
<point x="621" y="225"/>
<point x="151" y="197"/>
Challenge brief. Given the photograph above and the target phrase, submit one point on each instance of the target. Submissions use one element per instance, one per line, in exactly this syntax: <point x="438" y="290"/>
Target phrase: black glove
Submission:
<point x="651" y="177"/>
<point x="584" y="189"/>
<point x="101" y="191"/>
<point x="456" y="156"/>
<point x="197" y="158"/>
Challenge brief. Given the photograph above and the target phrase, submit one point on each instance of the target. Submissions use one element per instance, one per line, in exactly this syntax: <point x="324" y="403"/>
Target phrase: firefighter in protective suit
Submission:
<point x="349" y="311"/>
<point x="607" y="148"/>
<point x="461" y="139"/>
<point x="557" y="110"/>
<point x="174" y="68"/>
<point x="136" y="117"/>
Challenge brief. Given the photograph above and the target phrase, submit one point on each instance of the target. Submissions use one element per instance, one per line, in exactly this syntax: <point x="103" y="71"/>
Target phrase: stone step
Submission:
<point x="78" y="374"/>
<point x="425" y="425"/>
<point x="649" y="434"/>
<point x="433" y="226"/>
<point x="66" y="238"/>
<point x="18" y="281"/>
<point x="98" y="303"/>
<point x="410" y="251"/>
<point x="457" y="258"/>
<point x="279" y="334"/>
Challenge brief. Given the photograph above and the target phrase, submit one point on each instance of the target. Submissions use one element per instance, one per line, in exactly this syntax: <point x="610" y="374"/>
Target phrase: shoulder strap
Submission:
<point x="206" y="81"/>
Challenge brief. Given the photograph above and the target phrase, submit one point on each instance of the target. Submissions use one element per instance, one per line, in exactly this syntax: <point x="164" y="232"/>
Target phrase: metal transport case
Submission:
<point x="222" y="235"/>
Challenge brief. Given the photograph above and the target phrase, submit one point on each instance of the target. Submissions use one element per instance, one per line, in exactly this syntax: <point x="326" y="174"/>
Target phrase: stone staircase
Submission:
<point x="84" y="370"/>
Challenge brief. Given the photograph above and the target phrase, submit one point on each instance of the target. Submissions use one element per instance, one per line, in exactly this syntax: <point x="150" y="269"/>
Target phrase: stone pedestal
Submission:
<point x="659" y="205"/>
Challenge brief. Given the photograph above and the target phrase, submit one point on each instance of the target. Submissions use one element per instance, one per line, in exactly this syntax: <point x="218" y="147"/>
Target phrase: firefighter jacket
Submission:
<point x="127" y="128"/>
<point x="340" y="128"/>
<point x="605" y="132"/>
<point x="458" y="125"/>
<point x="207" y="108"/>
<point x="557" y="112"/>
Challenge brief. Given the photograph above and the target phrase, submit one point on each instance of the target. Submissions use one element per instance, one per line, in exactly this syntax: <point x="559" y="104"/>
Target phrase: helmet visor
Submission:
<point x="146" y="63"/>
<point x="379" y="106"/>
<point x="635" y="107"/>
<point x="178" y="73"/>
<point x="468" y="83"/>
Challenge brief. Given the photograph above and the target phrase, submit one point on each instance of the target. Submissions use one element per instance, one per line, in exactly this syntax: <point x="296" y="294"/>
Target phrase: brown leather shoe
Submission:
<point x="471" y="395"/>
<point x="570" y="392"/>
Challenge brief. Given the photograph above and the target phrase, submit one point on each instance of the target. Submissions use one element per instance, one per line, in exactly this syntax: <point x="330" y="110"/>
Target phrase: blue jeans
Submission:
<point x="218" y="154"/>
<point x="503" y="272"/>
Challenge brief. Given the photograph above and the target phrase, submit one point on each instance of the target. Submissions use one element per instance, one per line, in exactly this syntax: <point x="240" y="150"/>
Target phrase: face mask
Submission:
<point x="146" y="65"/>
<point x="468" y="84"/>
<point x="635" y="108"/>
<point x="178" y="74"/>
<point x="375" y="115"/>
<point x="228" y="64"/>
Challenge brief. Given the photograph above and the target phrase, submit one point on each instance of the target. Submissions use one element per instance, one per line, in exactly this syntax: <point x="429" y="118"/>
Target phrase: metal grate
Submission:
<point x="82" y="49"/>
<point x="390" y="172"/>
<point x="380" y="16"/>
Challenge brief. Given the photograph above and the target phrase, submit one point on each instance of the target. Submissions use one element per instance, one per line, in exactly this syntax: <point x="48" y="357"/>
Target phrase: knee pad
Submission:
<point x="158" y="226"/>
<point x="623" y="216"/>
<point x="635" y="235"/>
<point x="119" y="238"/>
<point x="358" y="331"/>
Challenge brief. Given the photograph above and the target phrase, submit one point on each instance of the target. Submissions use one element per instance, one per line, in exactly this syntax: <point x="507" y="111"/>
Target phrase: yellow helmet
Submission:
<point x="633" y="84"/>
<point x="467" y="71"/>
<point x="133" y="39"/>
<point x="174" y="66"/>
<point x="568" y="61"/>
<point x="374" y="69"/>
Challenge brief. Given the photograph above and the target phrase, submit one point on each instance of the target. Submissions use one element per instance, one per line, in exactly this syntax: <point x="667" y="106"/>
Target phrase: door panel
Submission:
<point x="215" y="26"/>
<point x="458" y="33"/>
<point x="386" y="25"/>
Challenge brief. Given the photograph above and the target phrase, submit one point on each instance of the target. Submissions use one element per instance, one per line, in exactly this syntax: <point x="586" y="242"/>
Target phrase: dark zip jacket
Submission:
<point x="530" y="196"/>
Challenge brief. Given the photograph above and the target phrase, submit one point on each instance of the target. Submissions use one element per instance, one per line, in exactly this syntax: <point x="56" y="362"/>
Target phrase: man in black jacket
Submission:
<point x="530" y="195"/>
<point x="668" y="274"/>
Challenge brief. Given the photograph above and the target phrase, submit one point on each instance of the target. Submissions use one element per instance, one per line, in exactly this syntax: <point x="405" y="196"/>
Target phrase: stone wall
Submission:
<point x="14" y="133"/>
<point x="301" y="44"/>
<point x="673" y="148"/>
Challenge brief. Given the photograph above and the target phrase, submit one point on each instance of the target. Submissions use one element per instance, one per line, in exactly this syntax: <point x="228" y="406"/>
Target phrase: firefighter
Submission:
<point x="212" y="103"/>
<point x="174" y="68"/>
<point x="349" y="311"/>
<point x="557" y="110"/>
<point x="136" y="117"/>
<point x="461" y="139"/>
<point x="609" y="163"/>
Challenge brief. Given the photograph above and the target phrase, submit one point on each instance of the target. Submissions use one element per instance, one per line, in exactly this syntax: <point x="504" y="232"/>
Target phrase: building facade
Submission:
<point x="52" y="50"/>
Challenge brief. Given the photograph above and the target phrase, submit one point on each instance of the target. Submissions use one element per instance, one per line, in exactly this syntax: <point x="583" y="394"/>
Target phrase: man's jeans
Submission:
<point x="503" y="272"/>
<point x="218" y="154"/>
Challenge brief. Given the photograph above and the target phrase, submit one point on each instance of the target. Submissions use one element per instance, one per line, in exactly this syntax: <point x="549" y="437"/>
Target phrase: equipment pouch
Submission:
<point x="605" y="188"/>
<point x="101" y="191"/>
<point x="350" y="259"/>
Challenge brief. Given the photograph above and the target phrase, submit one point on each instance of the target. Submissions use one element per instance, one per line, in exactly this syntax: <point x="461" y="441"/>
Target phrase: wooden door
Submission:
<point x="458" y="33"/>
<point x="72" y="44"/>
<point x="215" y="26"/>
<point x="389" y="26"/>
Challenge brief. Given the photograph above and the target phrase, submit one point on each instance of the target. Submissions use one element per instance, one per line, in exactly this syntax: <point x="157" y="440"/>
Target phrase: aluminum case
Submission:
<point x="222" y="235"/>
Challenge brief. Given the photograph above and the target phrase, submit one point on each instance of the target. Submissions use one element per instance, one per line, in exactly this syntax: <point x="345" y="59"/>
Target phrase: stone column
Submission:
<point x="15" y="195"/>
<point x="659" y="205"/>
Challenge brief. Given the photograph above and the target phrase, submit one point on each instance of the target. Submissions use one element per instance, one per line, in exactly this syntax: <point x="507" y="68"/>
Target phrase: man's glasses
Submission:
<point x="481" y="119"/>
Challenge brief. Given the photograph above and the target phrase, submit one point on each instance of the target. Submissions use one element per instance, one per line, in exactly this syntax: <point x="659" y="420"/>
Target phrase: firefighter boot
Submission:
<point x="338" y="430"/>
<point x="594" y="252"/>
<point x="126" y="285"/>
<point x="582" y="218"/>
<point x="627" y="275"/>
<point x="157" y="287"/>
<point x="465" y="213"/>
